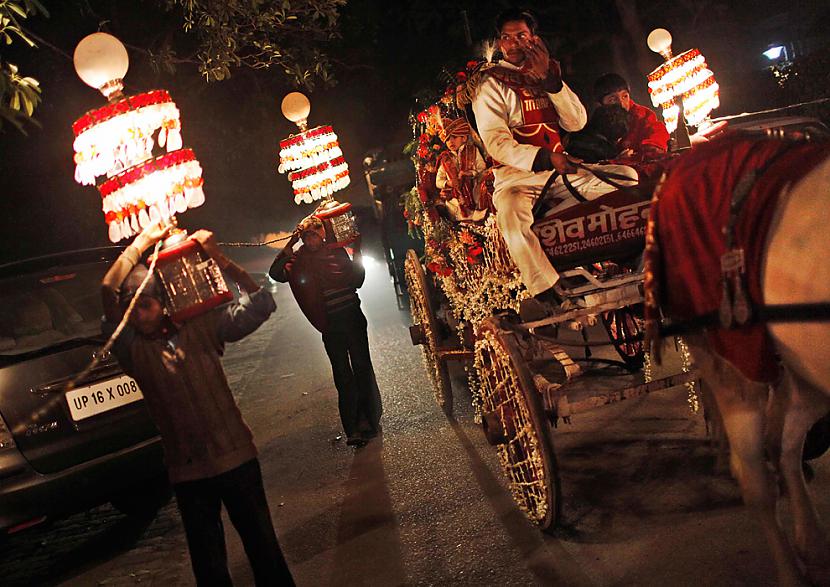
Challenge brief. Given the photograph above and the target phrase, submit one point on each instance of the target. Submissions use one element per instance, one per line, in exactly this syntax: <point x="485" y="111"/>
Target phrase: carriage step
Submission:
<point x="417" y="334"/>
<point x="579" y="282"/>
<point x="626" y="295"/>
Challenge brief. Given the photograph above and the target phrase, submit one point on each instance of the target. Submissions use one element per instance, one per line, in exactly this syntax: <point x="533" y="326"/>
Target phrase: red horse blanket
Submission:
<point x="687" y="236"/>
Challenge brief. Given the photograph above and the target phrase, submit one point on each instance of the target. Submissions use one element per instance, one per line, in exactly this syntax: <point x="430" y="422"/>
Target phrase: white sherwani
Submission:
<point x="497" y="112"/>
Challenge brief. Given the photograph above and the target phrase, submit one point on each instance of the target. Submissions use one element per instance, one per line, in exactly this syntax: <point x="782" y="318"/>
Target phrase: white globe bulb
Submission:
<point x="295" y="107"/>
<point x="99" y="59"/>
<point x="659" y="40"/>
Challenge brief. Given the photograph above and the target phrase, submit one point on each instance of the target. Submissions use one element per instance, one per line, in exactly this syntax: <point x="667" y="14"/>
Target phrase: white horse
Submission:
<point x="766" y="423"/>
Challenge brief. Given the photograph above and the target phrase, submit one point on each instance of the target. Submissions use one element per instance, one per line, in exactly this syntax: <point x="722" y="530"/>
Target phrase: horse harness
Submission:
<point x="736" y="309"/>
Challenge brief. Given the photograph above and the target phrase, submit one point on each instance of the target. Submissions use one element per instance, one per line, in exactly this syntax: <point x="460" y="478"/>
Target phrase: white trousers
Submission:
<point x="514" y="215"/>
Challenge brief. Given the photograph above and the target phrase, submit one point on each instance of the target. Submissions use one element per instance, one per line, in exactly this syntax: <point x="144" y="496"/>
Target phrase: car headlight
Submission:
<point x="6" y="438"/>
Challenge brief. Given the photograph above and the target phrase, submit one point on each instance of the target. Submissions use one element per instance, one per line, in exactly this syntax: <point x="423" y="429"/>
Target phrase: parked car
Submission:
<point x="62" y="451"/>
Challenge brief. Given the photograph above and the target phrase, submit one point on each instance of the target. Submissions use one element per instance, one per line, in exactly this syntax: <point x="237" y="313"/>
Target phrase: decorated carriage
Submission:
<point x="466" y="295"/>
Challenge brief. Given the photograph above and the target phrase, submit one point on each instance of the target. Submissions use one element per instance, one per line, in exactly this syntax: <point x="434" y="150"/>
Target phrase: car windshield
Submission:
<point x="48" y="308"/>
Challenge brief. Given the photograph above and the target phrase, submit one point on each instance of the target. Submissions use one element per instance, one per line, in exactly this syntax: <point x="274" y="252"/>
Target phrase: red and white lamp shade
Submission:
<point x="683" y="78"/>
<point x="312" y="158"/>
<point x="114" y="145"/>
<point x="316" y="169"/>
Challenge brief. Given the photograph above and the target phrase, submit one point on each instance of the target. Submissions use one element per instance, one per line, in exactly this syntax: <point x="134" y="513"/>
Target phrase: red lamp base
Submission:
<point x="339" y="222"/>
<point x="193" y="283"/>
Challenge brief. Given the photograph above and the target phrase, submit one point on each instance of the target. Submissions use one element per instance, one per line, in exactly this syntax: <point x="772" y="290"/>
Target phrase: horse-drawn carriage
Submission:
<point x="524" y="375"/>
<point x="465" y="300"/>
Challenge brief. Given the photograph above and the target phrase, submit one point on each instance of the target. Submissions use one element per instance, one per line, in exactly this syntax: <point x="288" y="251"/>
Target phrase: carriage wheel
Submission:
<point x="625" y="329"/>
<point x="515" y="422"/>
<point x="423" y="320"/>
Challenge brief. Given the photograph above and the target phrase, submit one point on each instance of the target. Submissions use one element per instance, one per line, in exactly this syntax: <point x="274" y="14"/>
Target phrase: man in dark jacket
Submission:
<point x="208" y="449"/>
<point x="601" y="139"/>
<point x="646" y="136"/>
<point x="324" y="282"/>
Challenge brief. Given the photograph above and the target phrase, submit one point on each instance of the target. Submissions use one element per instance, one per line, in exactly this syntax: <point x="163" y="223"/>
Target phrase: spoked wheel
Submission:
<point x="514" y="421"/>
<point x="424" y="330"/>
<point x="625" y="329"/>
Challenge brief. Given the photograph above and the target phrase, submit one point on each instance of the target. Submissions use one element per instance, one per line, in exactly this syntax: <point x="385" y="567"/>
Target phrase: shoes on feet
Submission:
<point x="540" y="306"/>
<point x="355" y="441"/>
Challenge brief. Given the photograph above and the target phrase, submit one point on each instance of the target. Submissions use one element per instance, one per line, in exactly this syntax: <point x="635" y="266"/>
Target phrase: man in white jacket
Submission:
<point x="519" y="106"/>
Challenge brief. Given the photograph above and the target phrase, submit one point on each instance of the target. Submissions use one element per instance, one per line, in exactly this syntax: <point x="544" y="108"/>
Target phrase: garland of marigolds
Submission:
<point x="685" y="366"/>
<point x="469" y="262"/>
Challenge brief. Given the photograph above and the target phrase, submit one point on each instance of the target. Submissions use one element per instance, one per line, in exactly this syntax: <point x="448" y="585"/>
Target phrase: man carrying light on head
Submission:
<point x="520" y="106"/>
<point x="324" y="281"/>
<point x="208" y="448"/>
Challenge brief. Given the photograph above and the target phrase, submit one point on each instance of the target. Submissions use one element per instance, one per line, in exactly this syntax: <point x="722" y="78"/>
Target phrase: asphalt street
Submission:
<point x="426" y="503"/>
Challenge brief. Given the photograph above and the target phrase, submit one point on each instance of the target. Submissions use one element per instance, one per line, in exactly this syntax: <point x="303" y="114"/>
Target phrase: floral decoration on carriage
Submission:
<point x="466" y="292"/>
<point x="450" y="205"/>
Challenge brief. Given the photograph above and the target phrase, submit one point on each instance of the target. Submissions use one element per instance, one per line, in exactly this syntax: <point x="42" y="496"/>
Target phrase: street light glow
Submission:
<point x="774" y="53"/>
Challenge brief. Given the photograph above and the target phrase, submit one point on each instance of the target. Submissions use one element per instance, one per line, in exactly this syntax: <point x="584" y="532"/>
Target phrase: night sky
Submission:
<point x="388" y="53"/>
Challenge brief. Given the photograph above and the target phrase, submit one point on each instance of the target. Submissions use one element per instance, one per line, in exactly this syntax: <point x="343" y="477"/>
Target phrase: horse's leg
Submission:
<point x="714" y="427"/>
<point x="742" y="405"/>
<point x="797" y="406"/>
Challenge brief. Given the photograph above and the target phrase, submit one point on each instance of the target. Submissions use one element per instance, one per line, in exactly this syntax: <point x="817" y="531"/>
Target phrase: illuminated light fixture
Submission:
<point x="312" y="158"/>
<point x="114" y="145"/>
<point x="316" y="169"/>
<point x="774" y="53"/>
<point x="681" y="82"/>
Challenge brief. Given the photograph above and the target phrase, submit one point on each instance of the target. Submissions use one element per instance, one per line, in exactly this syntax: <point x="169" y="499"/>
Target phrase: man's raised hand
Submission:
<point x="205" y="238"/>
<point x="540" y="66"/>
<point x="152" y="233"/>
<point x="537" y="58"/>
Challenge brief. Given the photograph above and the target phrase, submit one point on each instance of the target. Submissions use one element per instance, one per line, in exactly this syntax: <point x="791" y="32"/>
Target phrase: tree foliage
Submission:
<point x="260" y="34"/>
<point x="217" y="36"/>
<point x="19" y="94"/>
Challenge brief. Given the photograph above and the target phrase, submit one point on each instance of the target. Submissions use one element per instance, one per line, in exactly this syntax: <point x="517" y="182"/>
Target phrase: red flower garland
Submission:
<point x="304" y="173"/>
<point x="303" y="136"/>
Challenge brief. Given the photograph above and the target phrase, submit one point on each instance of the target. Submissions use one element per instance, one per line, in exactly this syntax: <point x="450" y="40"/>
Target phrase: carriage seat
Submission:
<point x="609" y="228"/>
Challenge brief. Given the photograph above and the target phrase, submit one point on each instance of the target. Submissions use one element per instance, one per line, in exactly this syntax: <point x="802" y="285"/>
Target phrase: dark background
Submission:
<point x="389" y="54"/>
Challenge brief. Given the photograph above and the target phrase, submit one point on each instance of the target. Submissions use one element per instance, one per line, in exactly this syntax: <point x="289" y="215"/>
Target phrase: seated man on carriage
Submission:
<point x="634" y="137"/>
<point x="520" y="105"/>
<point x="645" y="136"/>
<point x="462" y="173"/>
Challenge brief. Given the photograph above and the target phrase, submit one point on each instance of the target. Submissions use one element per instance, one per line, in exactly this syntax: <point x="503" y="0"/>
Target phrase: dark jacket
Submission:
<point x="324" y="282"/>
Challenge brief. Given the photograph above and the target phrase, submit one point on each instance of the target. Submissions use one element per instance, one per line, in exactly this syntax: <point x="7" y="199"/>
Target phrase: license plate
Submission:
<point x="102" y="397"/>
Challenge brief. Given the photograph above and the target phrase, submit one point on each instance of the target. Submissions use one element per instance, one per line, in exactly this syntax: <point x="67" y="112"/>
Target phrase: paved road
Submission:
<point x="426" y="504"/>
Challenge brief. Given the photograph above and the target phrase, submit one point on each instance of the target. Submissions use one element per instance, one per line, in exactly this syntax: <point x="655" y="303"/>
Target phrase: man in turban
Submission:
<point x="460" y="170"/>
